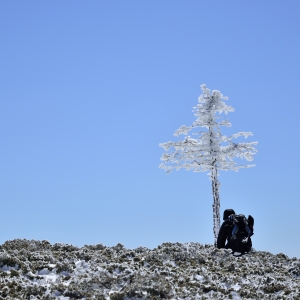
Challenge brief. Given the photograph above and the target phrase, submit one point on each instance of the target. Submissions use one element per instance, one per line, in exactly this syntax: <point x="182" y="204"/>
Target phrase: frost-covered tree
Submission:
<point x="210" y="150"/>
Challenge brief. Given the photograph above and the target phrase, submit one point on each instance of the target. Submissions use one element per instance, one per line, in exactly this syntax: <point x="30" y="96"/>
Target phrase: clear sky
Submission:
<point x="88" y="89"/>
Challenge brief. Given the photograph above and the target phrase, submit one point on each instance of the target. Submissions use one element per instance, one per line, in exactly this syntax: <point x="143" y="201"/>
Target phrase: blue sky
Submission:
<point x="88" y="89"/>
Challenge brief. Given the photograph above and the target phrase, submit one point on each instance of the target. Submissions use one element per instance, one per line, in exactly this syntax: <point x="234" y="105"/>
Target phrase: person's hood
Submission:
<point x="227" y="213"/>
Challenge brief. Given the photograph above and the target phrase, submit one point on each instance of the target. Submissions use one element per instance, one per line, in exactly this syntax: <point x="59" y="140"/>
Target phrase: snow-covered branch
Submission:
<point x="207" y="150"/>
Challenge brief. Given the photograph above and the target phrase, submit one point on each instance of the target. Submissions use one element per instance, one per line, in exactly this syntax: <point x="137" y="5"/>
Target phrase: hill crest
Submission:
<point x="31" y="269"/>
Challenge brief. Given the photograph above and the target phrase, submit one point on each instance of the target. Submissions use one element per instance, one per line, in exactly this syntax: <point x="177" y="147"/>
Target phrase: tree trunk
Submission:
<point x="216" y="203"/>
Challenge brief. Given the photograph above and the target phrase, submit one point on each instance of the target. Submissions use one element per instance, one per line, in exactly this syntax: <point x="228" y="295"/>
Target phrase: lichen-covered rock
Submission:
<point x="39" y="270"/>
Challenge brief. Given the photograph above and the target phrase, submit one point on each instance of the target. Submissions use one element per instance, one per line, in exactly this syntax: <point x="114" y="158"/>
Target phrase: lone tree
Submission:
<point x="210" y="150"/>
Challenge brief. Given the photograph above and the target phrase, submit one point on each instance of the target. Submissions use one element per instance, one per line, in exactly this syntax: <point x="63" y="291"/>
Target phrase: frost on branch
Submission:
<point x="182" y="130"/>
<point x="210" y="151"/>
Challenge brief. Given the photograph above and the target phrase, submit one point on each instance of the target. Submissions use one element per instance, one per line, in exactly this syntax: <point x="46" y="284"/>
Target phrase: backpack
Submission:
<point x="240" y="236"/>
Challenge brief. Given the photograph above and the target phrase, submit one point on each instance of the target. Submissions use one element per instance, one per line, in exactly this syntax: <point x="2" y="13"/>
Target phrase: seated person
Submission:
<point x="235" y="232"/>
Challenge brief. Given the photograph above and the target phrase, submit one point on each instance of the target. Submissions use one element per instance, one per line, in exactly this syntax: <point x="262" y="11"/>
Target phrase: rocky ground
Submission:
<point x="39" y="270"/>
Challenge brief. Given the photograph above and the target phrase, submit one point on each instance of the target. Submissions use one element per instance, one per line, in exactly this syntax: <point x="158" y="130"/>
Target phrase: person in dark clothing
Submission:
<point x="227" y="239"/>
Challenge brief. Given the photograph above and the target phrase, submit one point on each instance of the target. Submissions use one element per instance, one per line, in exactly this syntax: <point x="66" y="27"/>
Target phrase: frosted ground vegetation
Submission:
<point x="210" y="151"/>
<point x="38" y="270"/>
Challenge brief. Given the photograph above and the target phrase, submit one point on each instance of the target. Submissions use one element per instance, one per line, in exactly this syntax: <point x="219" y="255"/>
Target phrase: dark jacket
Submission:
<point x="225" y="233"/>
